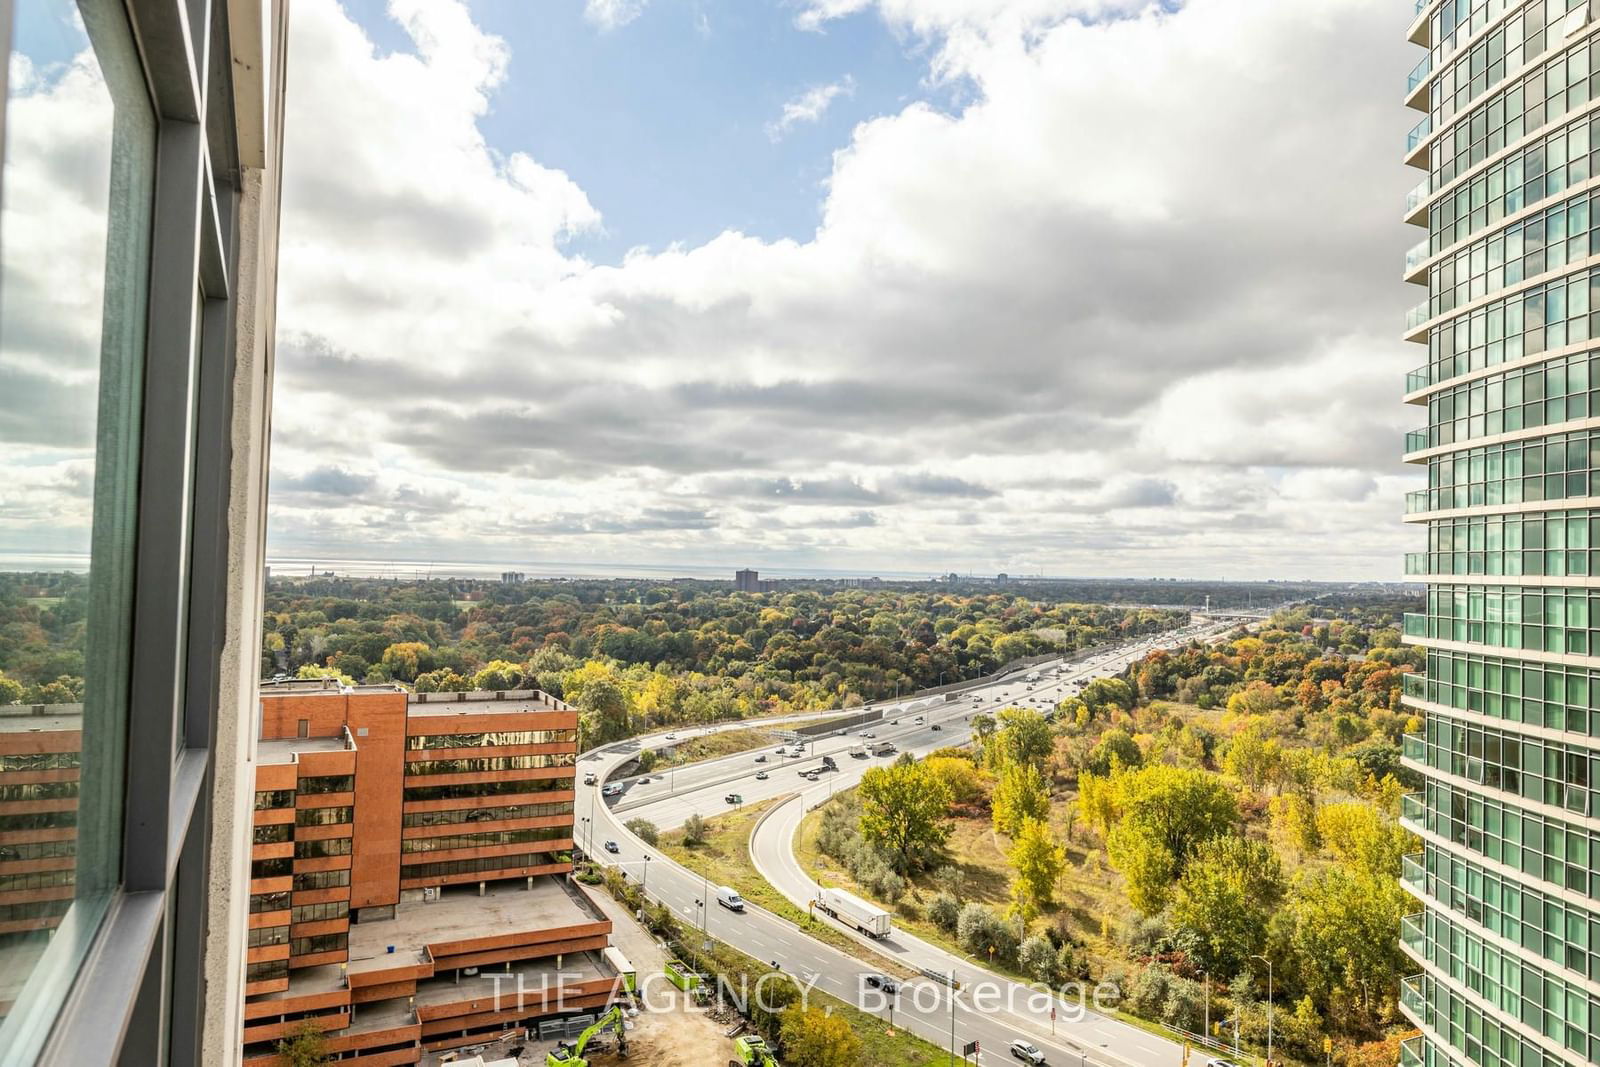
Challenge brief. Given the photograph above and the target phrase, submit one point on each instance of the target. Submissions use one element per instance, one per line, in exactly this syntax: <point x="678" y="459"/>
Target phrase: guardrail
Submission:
<point x="1233" y="1052"/>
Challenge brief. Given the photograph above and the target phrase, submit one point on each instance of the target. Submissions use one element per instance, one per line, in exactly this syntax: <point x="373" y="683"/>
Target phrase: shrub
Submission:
<point x="1037" y="959"/>
<point x="986" y="935"/>
<point x="694" y="830"/>
<point x="944" y="911"/>
<point x="645" y="831"/>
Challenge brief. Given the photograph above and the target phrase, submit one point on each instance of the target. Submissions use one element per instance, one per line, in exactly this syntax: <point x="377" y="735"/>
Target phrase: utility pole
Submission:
<point x="953" y="1020"/>
<point x="1263" y="959"/>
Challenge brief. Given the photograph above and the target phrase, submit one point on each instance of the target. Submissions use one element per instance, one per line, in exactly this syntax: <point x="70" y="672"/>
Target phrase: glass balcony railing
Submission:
<point x="1417" y="316"/>
<point x="1413" y="873"/>
<point x="1413" y="934"/>
<point x="1411" y="1051"/>
<point x="1422" y="5"/>
<point x="1416" y="625"/>
<point x="1411" y="997"/>
<point x="1416" y="255"/>
<point x="1418" y="379"/>
<point x="1416" y="440"/>
<point x="1414" y="747"/>
<point x="1418" y="133"/>
<point x="1414" y="808"/>
<point x="1416" y="563"/>
<point x="1414" y="684"/>
<point x="1417" y="195"/>
<point x="1420" y="72"/>
<point x="1417" y="502"/>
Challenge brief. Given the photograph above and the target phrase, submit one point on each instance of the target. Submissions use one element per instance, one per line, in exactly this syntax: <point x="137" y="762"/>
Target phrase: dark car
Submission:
<point x="883" y="982"/>
<point x="611" y="846"/>
<point x="936" y="726"/>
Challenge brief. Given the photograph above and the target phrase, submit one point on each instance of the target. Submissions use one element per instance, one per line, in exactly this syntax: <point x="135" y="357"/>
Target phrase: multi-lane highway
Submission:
<point x="917" y="725"/>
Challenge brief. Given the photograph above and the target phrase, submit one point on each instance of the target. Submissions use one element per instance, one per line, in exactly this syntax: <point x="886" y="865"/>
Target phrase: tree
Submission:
<point x="1164" y="812"/>
<point x="695" y="830"/>
<point x="307" y="1048"/>
<point x="498" y="675"/>
<point x="1037" y="959"/>
<point x="1097" y="802"/>
<point x="959" y="776"/>
<point x="1344" y="933"/>
<point x="1022" y="735"/>
<point x="1226" y="897"/>
<point x="1116" y="747"/>
<point x="1038" y="862"/>
<point x="646" y="831"/>
<point x="816" y="1038"/>
<point x="986" y="935"/>
<point x="11" y="690"/>
<point x="1361" y="838"/>
<point x="1103" y="695"/>
<point x="905" y="811"/>
<point x="1020" y="794"/>
<point x="1252" y="757"/>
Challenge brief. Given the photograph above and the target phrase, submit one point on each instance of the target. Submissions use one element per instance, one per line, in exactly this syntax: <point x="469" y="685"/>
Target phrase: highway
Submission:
<point x="923" y="1005"/>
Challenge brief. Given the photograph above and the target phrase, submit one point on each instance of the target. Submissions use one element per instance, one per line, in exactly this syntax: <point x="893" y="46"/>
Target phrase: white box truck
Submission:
<point x="853" y="911"/>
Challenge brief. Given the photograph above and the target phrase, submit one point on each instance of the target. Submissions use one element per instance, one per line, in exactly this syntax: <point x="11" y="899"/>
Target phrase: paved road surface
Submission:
<point x="923" y="1005"/>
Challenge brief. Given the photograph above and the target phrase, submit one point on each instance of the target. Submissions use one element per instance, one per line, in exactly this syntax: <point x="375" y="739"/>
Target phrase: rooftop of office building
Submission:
<point x="484" y="702"/>
<point x="289" y="749"/>
<point x="40" y="718"/>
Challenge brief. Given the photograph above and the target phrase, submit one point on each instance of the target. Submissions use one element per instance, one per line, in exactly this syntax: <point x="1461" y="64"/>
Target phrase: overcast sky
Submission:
<point x="1061" y="286"/>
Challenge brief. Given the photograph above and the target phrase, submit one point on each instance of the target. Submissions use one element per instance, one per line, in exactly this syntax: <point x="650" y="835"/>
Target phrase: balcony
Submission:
<point x="1419" y="74"/>
<point x="1416" y="256"/>
<point x="1416" y="440"/>
<point x="1416" y="318"/>
<point x="1414" y="810"/>
<point x="1416" y="625"/>
<point x="1414" y="747"/>
<point x="1421" y="31"/>
<point x="1413" y="875"/>
<point x="1414" y="684"/>
<point x="1411" y="1051"/>
<point x="1417" y="143"/>
<point x="1411" y="997"/>
<point x="1416" y="563"/>
<point x="1414" y="934"/>
<point x="1417" y="502"/>
<point x="1416" y="212"/>
<point x="1418" y="379"/>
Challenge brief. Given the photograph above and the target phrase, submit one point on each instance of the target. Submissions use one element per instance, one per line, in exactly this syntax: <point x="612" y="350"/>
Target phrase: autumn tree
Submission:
<point x="1019" y="795"/>
<point x="1037" y="861"/>
<point x="1225" y="898"/>
<point x="1021" y="735"/>
<point x="905" y="811"/>
<point x="816" y="1038"/>
<point x="1163" y="813"/>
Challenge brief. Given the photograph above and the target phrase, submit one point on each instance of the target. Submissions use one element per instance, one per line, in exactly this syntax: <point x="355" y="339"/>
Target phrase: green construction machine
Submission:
<point x="752" y="1051"/>
<point x="570" y="1053"/>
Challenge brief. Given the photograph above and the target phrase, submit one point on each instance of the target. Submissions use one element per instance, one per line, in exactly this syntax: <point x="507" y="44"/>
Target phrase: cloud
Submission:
<point x="809" y="106"/>
<point x="612" y="14"/>
<point x="1091" y="320"/>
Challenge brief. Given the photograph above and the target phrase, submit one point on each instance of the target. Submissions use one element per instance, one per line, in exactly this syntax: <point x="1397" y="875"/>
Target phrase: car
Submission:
<point x="883" y="982"/>
<point x="894" y="722"/>
<point x="863" y="733"/>
<point x="734" y="798"/>
<point x="611" y="847"/>
<point x="761" y="758"/>
<point x="590" y="779"/>
<point x="1214" y="1062"/>
<point x="762" y="776"/>
<point x="936" y="726"/>
<point x="919" y="720"/>
<point x="869" y="733"/>
<point x="671" y="737"/>
<point x="1027" y="1052"/>
<point x="612" y="790"/>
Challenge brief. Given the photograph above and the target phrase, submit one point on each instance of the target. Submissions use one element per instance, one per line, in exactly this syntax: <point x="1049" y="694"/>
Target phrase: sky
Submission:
<point x="1074" y="287"/>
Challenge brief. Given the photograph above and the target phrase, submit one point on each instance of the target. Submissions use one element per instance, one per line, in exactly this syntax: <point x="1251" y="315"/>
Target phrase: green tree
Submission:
<point x="905" y="811"/>
<point x="1116" y="747"/>
<point x="1022" y="735"/>
<point x="1163" y="813"/>
<point x="1037" y="862"/>
<point x="1225" y="899"/>
<point x="1104" y="695"/>
<point x="11" y="690"/>
<point x="498" y="675"/>
<point x="1019" y="795"/>
<point x="1344" y="934"/>
<point x="816" y="1038"/>
<point x="644" y="830"/>
<point x="1252" y="757"/>
<point x="307" y="1048"/>
<point x="695" y="830"/>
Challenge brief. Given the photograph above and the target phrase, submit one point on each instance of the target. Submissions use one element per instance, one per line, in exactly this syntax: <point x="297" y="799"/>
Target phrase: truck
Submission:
<point x="883" y="748"/>
<point x="853" y="911"/>
<point x="858" y="751"/>
<point x="1033" y="676"/>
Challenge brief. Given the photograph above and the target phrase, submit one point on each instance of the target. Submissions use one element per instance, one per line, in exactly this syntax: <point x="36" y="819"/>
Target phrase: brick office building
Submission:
<point x="405" y="847"/>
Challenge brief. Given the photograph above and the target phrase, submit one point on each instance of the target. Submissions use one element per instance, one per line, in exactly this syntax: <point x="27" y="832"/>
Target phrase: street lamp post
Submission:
<point x="953" y="1019"/>
<point x="588" y="837"/>
<point x="1207" y="976"/>
<point x="1263" y="959"/>
<point x="644" y="879"/>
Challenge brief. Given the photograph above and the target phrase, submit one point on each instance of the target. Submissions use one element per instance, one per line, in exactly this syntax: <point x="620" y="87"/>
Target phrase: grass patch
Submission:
<point x="724" y="859"/>
<point x="730" y="742"/>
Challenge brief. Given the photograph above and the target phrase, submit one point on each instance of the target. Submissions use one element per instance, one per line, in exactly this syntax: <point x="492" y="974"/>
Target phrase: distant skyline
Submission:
<point x="1060" y="286"/>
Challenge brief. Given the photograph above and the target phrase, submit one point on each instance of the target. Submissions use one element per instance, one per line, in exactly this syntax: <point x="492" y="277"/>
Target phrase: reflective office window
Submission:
<point x="75" y="203"/>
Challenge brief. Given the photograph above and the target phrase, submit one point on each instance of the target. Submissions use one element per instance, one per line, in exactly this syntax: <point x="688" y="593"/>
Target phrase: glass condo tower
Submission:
<point x="1505" y="938"/>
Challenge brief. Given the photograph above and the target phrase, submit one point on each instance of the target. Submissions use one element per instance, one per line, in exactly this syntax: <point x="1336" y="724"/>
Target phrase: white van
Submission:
<point x="729" y="899"/>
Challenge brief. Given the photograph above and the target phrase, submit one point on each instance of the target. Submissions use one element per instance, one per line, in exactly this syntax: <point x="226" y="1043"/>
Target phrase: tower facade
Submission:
<point x="1506" y="935"/>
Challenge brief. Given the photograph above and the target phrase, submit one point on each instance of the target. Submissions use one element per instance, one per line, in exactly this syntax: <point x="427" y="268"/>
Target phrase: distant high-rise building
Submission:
<point x="747" y="581"/>
<point x="512" y="577"/>
<point x="1506" y="938"/>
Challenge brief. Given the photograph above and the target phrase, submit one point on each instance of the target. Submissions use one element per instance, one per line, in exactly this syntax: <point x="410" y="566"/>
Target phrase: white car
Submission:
<point x="1027" y="1052"/>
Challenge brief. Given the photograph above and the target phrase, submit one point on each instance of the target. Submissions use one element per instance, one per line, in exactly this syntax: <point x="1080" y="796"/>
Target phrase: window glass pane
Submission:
<point x="74" y="247"/>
